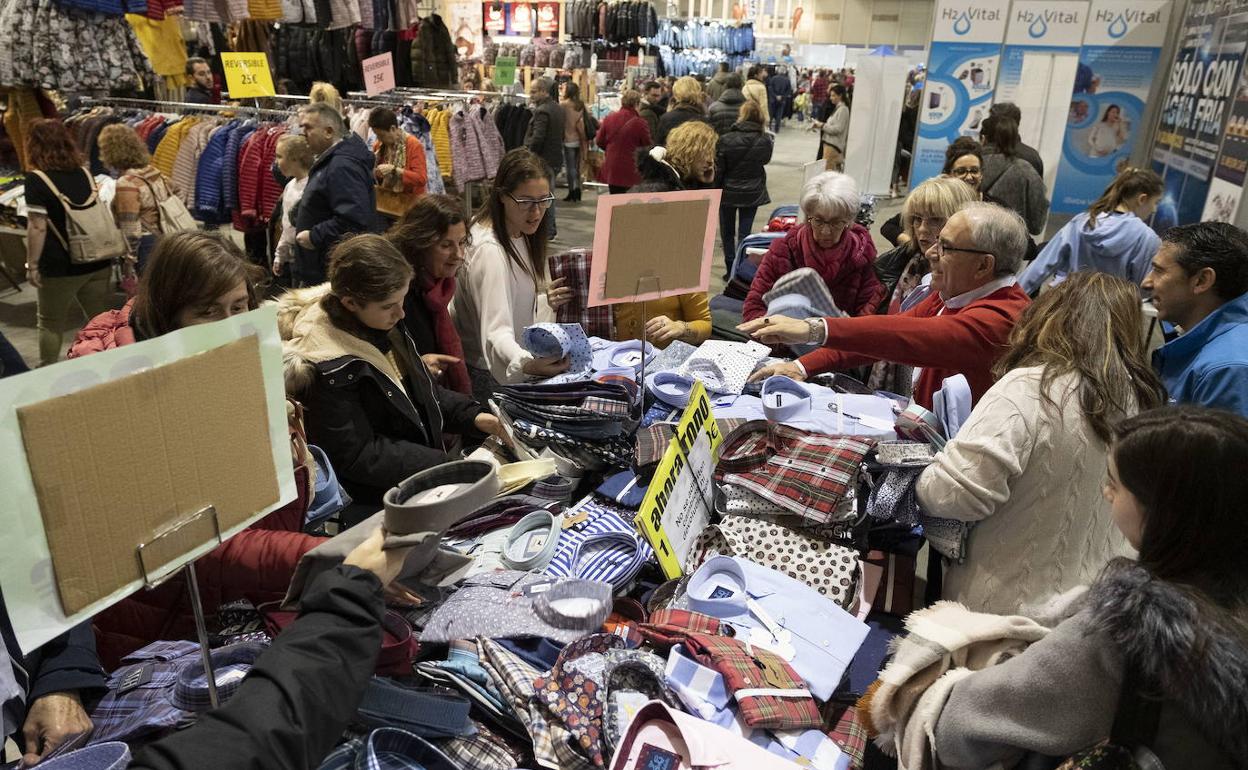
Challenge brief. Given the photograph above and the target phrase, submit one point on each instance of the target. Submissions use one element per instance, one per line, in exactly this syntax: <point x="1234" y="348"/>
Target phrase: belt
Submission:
<point x="425" y="712"/>
<point x="516" y="554"/>
<point x="784" y="399"/>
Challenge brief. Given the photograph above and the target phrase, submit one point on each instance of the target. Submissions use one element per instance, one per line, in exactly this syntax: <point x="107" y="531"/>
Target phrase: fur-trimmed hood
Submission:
<point x="1195" y="659"/>
<point x="309" y="339"/>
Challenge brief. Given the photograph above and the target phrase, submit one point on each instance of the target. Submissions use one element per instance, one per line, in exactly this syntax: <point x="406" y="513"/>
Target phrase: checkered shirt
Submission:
<point x="842" y="724"/>
<point x="147" y="710"/>
<point x="668" y="627"/>
<point x="483" y="751"/>
<point x="574" y="265"/>
<point x="742" y="670"/>
<point x="807" y="282"/>
<point x="806" y="473"/>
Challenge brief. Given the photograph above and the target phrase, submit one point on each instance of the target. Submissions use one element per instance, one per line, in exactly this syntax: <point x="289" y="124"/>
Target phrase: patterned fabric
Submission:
<point x="138" y="703"/>
<point x="547" y="340"/>
<point x="832" y="570"/>
<point x="573" y="695"/>
<point x="723" y="367"/>
<point x="615" y="452"/>
<point x="632" y="678"/>
<point x="668" y="627"/>
<point x="483" y="751"/>
<point x="605" y="547"/>
<point x="701" y="689"/>
<point x="842" y="724"/>
<point x="1103" y="756"/>
<point x="552" y="743"/>
<point x="777" y="697"/>
<point x="808" y="474"/>
<point x="574" y="266"/>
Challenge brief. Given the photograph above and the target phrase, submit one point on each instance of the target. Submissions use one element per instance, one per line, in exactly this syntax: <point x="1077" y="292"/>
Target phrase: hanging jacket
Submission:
<point x="440" y="127"/>
<point x="377" y="424"/>
<point x="741" y="160"/>
<point x="433" y="54"/>
<point x="209" y="202"/>
<point x="466" y="145"/>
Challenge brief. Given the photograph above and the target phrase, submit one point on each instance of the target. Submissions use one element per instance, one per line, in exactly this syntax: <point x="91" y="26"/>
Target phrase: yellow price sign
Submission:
<point x="247" y="75"/>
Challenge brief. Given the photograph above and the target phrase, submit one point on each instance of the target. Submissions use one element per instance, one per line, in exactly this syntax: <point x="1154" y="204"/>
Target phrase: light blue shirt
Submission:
<point x="822" y="411"/>
<point x="822" y="638"/>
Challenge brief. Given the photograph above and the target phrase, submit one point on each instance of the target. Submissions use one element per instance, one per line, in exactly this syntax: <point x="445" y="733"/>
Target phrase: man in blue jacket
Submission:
<point x="1199" y="282"/>
<point x="339" y="199"/>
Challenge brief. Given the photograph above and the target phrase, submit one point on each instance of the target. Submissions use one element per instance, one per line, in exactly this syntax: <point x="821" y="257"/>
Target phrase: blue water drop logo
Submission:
<point x="1039" y="27"/>
<point x="963" y="24"/>
<point x="1118" y="27"/>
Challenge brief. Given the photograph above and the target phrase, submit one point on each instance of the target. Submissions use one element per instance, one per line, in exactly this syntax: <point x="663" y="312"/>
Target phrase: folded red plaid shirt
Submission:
<point x="574" y="266"/>
<point x="805" y="473"/>
<point x="768" y="691"/>
<point x="842" y="724"/>
<point x="668" y="627"/>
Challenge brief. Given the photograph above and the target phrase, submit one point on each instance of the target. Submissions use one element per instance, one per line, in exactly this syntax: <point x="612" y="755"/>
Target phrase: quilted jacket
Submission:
<point x="433" y="55"/>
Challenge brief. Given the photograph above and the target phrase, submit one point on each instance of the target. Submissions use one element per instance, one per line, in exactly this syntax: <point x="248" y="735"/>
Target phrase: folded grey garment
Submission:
<point x="436" y="498"/>
<point x="506" y="604"/>
<point x="427" y="563"/>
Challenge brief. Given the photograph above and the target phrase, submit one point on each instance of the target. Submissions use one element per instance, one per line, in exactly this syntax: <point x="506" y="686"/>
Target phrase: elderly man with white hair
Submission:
<point x="831" y="242"/>
<point x="961" y="327"/>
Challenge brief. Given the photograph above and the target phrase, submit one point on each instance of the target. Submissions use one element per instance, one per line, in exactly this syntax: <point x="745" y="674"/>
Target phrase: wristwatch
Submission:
<point x="816" y="331"/>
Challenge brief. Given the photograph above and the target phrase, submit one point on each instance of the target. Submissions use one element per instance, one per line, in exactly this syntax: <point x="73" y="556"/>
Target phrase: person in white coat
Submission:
<point x="1028" y="465"/>
<point x="502" y="283"/>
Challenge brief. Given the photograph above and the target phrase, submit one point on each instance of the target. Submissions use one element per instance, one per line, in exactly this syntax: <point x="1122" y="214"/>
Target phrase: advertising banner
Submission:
<point x="1038" y="66"/>
<point x="1228" y="176"/>
<point x="1118" y="65"/>
<point x="1198" y="101"/>
<point x="962" y="67"/>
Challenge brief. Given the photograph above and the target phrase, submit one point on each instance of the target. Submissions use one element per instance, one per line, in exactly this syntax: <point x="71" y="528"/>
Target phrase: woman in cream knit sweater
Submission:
<point x="1028" y="466"/>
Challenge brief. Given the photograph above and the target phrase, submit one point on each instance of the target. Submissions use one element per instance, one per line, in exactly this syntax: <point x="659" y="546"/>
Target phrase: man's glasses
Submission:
<point x="943" y="248"/>
<point x="533" y="203"/>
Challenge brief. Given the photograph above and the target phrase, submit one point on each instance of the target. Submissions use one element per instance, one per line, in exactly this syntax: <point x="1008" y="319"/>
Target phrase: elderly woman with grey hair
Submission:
<point x="961" y="327"/>
<point x="830" y="242"/>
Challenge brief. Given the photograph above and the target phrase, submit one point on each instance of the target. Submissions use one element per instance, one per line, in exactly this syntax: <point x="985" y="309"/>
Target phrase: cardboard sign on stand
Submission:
<point x="247" y="75"/>
<point x="378" y="74"/>
<point x="665" y="240"/>
<point x="129" y="464"/>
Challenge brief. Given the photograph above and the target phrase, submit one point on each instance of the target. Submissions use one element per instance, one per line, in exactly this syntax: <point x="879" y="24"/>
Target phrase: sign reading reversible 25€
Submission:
<point x="247" y="75"/>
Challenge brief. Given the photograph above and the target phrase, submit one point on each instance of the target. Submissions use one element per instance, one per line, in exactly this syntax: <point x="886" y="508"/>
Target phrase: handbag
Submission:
<point x="91" y="233"/>
<point x="174" y="215"/>
<point x="831" y="569"/>
<point x="394" y="204"/>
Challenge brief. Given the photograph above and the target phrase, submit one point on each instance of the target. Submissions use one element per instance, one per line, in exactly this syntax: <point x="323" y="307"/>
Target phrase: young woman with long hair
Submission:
<point x="1027" y="466"/>
<point x="1112" y="236"/>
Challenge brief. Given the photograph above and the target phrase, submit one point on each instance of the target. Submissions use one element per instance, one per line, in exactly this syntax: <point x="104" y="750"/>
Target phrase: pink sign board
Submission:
<point x="652" y="245"/>
<point x="378" y="74"/>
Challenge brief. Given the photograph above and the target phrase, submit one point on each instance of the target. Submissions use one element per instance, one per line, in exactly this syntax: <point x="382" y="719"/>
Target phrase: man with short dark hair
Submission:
<point x="339" y="199"/>
<point x="651" y="105"/>
<point x="1199" y="282"/>
<point x="199" y="82"/>
<point x="718" y="83"/>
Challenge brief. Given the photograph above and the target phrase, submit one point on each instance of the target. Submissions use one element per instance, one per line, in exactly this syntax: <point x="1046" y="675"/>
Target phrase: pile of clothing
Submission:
<point x="616" y="21"/>
<point x="729" y="38"/>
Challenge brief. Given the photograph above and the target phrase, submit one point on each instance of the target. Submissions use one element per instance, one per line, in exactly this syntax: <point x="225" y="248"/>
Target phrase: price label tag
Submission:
<point x="505" y="71"/>
<point x="247" y="75"/>
<point x="378" y="74"/>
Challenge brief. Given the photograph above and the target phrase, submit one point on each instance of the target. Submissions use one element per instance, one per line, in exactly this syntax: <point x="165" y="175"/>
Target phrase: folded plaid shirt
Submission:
<point x="145" y="709"/>
<point x="842" y="724"/>
<point x="806" y="473"/>
<point x="768" y="691"/>
<point x="483" y="751"/>
<point x="574" y="266"/>
<point x="387" y="748"/>
<point x="668" y="627"/>
<point x="806" y="282"/>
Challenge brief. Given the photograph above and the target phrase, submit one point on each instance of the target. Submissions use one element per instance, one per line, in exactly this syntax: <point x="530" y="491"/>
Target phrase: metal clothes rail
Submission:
<point x="181" y="107"/>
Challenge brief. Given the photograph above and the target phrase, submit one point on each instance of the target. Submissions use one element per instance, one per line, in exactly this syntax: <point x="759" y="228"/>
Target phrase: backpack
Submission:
<point x="591" y="125"/>
<point x="92" y="235"/>
<point x="174" y="215"/>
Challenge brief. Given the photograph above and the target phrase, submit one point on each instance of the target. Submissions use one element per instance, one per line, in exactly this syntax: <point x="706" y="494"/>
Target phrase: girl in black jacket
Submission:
<point x="372" y="405"/>
<point x="742" y="158"/>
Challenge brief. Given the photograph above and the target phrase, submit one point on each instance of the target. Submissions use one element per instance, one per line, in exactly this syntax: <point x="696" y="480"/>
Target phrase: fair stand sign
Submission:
<point x="247" y="75"/>
<point x="378" y="74"/>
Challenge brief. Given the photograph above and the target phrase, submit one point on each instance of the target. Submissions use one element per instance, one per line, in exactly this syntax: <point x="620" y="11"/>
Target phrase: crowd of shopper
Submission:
<point x="1099" y="595"/>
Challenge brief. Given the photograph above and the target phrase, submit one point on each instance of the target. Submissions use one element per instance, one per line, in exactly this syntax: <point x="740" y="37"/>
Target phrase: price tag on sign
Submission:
<point x="247" y="75"/>
<point x="378" y="74"/>
<point x="504" y="70"/>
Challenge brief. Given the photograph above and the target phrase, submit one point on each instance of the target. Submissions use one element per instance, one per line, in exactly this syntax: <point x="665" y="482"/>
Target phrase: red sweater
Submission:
<point x="848" y="269"/>
<point x="966" y="341"/>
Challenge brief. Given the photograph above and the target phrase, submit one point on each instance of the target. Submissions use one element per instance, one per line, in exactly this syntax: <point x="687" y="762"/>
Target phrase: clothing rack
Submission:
<point x="181" y="107"/>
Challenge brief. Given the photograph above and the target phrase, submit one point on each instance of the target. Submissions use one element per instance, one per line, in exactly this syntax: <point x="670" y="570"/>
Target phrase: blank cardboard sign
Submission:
<point x="659" y="239"/>
<point x="117" y="463"/>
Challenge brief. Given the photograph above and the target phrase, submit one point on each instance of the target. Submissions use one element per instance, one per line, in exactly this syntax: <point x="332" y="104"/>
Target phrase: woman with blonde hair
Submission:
<point x="140" y="189"/>
<point x="326" y="93"/>
<point x="687" y="163"/>
<point x="923" y="214"/>
<point x="688" y="103"/>
<point x="1028" y="465"/>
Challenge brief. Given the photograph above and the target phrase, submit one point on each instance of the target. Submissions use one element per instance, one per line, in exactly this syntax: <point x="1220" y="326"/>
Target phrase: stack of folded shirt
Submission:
<point x="591" y="423"/>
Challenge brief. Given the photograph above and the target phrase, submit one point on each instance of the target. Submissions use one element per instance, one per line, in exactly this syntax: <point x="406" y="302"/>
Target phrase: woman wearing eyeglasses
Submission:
<point x="502" y="282"/>
<point x="839" y="249"/>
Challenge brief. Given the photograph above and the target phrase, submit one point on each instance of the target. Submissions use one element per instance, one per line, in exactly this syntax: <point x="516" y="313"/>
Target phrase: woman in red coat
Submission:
<point x="621" y="134"/>
<point x="830" y="241"/>
<point x="193" y="278"/>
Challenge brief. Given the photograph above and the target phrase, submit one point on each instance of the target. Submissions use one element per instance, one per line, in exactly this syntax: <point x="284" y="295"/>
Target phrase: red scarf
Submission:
<point x="437" y="296"/>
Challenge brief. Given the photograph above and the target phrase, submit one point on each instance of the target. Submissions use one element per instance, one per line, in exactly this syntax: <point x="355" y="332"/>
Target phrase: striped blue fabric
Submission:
<point x="605" y="547"/>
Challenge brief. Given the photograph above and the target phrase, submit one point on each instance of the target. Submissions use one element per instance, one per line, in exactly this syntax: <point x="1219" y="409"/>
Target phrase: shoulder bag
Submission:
<point x="91" y="233"/>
